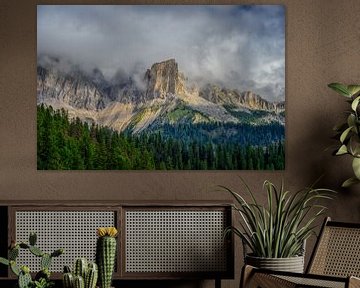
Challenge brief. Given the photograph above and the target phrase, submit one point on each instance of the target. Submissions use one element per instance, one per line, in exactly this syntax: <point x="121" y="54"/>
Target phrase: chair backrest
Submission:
<point x="337" y="251"/>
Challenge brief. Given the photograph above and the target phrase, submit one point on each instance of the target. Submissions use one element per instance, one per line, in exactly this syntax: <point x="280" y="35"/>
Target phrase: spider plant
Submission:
<point x="279" y="229"/>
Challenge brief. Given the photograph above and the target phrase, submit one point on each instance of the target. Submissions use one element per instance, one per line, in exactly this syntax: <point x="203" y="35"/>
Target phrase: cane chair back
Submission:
<point x="337" y="252"/>
<point x="335" y="262"/>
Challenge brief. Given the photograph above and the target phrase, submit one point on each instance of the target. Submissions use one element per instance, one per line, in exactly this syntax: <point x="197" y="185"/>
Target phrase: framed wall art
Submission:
<point x="160" y="87"/>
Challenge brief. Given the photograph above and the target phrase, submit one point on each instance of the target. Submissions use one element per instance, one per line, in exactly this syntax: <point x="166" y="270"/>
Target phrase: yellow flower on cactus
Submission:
<point x="107" y="231"/>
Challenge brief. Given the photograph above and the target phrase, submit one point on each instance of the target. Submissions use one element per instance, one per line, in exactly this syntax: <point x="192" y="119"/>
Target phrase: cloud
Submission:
<point x="239" y="47"/>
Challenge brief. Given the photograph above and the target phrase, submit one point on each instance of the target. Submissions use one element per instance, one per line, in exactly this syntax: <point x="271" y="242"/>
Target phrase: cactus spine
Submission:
<point x="106" y="254"/>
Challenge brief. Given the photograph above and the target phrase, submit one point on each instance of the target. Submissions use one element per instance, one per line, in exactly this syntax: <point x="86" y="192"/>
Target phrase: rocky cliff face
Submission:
<point x="75" y="90"/>
<point x="247" y="99"/>
<point x="163" y="78"/>
<point x="163" y="98"/>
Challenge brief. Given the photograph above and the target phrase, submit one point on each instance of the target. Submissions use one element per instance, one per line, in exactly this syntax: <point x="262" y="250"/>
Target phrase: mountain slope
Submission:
<point x="162" y="99"/>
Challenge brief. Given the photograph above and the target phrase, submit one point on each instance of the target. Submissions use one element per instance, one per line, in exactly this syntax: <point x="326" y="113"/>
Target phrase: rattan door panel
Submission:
<point x="72" y="230"/>
<point x="172" y="241"/>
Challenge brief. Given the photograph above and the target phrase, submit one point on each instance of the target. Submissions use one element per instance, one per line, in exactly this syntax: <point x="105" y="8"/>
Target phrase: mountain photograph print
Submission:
<point x="160" y="87"/>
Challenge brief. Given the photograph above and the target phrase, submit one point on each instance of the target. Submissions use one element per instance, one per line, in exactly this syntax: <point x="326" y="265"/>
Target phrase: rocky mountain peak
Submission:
<point x="163" y="78"/>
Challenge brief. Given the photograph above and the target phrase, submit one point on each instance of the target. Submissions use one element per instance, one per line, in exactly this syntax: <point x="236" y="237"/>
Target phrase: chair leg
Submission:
<point x="246" y="274"/>
<point x="217" y="283"/>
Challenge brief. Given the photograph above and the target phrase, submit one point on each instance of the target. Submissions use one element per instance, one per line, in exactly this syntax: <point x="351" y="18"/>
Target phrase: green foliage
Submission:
<point x="42" y="283"/>
<point x="42" y="278"/>
<point x="279" y="229"/>
<point x="70" y="144"/>
<point x="349" y="131"/>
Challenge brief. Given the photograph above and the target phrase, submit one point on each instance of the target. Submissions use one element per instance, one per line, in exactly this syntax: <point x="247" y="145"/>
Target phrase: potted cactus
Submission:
<point x="42" y="278"/>
<point x="85" y="275"/>
<point x="106" y="254"/>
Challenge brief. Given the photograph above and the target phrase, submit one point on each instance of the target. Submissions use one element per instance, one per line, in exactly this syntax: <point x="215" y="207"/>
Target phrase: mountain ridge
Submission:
<point x="165" y="92"/>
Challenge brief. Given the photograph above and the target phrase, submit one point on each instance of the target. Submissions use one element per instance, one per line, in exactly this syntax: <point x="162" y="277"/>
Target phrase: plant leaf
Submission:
<point x="349" y="182"/>
<point x="355" y="103"/>
<point x="353" y="89"/>
<point x="4" y="261"/>
<point x="342" y="150"/>
<point x="356" y="167"/>
<point x="345" y="134"/>
<point x="340" y="88"/>
<point x="351" y="120"/>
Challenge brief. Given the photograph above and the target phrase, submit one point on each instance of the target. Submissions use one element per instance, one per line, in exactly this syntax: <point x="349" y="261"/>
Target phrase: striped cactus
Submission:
<point x="81" y="265"/>
<point x="91" y="276"/>
<point x="79" y="282"/>
<point x="68" y="280"/>
<point x="84" y="276"/>
<point x="106" y="254"/>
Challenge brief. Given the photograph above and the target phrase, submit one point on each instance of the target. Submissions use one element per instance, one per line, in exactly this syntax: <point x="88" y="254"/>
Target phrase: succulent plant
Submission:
<point x="42" y="278"/>
<point x="81" y="267"/>
<point x="85" y="275"/>
<point x="79" y="282"/>
<point x="106" y="254"/>
<point x="91" y="276"/>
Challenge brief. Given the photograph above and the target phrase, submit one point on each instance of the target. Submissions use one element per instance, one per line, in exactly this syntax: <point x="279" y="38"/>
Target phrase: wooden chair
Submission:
<point x="335" y="262"/>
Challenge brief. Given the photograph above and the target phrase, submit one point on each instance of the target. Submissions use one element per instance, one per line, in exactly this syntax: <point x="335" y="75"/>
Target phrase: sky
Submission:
<point x="239" y="47"/>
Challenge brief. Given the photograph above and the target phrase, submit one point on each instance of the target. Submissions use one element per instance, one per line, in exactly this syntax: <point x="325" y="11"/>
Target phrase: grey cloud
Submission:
<point x="228" y="45"/>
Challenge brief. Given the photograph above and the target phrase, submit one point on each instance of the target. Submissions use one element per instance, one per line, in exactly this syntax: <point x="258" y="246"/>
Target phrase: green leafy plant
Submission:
<point x="42" y="278"/>
<point x="348" y="132"/>
<point x="279" y="229"/>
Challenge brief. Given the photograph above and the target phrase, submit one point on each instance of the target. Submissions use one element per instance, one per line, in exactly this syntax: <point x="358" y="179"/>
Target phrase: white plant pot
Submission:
<point x="291" y="264"/>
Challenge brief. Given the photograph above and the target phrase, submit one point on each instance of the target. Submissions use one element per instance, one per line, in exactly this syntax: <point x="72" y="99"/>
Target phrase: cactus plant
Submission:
<point x="42" y="278"/>
<point x="91" y="276"/>
<point x="24" y="277"/>
<point x="68" y="280"/>
<point x="79" y="282"/>
<point x="105" y="254"/>
<point x="84" y="274"/>
<point x="80" y="268"/>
